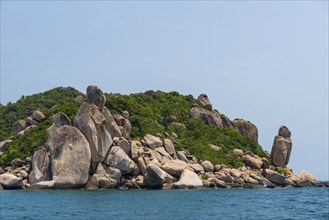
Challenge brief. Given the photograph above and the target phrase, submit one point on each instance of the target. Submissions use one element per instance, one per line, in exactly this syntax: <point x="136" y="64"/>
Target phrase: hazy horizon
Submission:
<point x="266" y="62"/>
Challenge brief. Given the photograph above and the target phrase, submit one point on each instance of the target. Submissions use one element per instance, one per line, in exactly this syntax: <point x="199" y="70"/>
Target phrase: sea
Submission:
<point x="293" y="203"/>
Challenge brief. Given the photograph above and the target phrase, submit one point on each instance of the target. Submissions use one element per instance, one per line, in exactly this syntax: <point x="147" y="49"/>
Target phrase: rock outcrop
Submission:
<point x="97" y="153"/>
<point x="175" y="167"/>
<point x="209" y="117"/>
<point x="19" y="125"/>
<point x="246" y="128"/>
<point x="203" y="98"/>
<point x="95" y="121"/>
<point x="281" y="148"/>
<point x="189" y="180"/>
<point x="253" y="162"/>
<point x="40" y="167"/>
<point x="274" y="177"/>
<point x="70" y="159"/>
<point x="59" y="119"/>
<point x="207" y="166"/>
<point x="119" y="159"/>
<point x="9" y="181"/>
<point x="38" y="116"/>
<point x="123" y="123"/>
<point x="156" y="177"/>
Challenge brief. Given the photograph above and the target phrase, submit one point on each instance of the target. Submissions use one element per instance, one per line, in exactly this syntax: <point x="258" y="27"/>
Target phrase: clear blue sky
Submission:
<point x="264" y="61"/>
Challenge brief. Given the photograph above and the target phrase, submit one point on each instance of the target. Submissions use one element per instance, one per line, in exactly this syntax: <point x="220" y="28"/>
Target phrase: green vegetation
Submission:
<point x="55" y="100"/>
<point x="147" y="112"/>
<point x="147" y="115"/>
<point x="198" y="136"/>
<point x="204" y="176"/>
<point x="282" y="171"/>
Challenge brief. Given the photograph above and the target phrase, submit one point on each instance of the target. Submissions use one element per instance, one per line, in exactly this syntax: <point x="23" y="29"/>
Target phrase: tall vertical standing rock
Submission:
<point x="40" y="167"/>
<point x="281" y="148"/>
<point x="70" y="159"/>
<point x="95" y="121"/>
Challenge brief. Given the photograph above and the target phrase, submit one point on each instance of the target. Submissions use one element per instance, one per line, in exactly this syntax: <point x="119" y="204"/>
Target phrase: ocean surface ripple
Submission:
<point x="296" y="203"/>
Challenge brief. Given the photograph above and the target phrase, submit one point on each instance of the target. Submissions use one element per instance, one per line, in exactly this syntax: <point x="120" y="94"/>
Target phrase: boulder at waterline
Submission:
<point x="274" y="177"/>
<point x="9" y="181"/>
<point x="156" y="177"/>
<point x="119" y="159"/>
<point x="40" y="167"/>
<point x="43" y="185"/>
<point x="188" y="179"/>
<point x="305" y="175"/>
<point x="70" y="160"/>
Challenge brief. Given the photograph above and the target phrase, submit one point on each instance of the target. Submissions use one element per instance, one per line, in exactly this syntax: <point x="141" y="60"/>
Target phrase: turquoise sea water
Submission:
<point x="298" y="203"/>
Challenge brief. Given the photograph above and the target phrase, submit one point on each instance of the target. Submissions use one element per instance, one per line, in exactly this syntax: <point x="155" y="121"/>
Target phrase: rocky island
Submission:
<point x="79" y="143"/>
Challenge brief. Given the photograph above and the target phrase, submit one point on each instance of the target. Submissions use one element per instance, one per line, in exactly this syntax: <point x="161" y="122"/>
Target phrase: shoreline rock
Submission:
<point x="97" y="153"/>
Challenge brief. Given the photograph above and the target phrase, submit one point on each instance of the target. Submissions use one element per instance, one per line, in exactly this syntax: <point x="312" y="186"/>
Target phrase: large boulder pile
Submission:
<point x="95" y="121"/>
<point x="98" y="153"/>
<point x="22" y="126"/>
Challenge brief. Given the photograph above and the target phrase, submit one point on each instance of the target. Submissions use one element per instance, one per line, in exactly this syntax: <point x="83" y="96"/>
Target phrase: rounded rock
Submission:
<point x="284" y="132"/>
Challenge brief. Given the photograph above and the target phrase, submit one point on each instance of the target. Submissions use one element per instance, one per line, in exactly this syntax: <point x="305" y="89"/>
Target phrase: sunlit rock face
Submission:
<point x="95" y="121"/>
<point x="281" y="148"/>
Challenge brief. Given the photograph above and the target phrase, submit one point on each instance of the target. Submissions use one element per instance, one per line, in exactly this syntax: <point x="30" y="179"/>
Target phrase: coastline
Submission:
<point x="96" y="151"/>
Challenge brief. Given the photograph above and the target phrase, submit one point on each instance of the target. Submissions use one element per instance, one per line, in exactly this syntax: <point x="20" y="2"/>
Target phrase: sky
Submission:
<point x="263" y="61"/>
